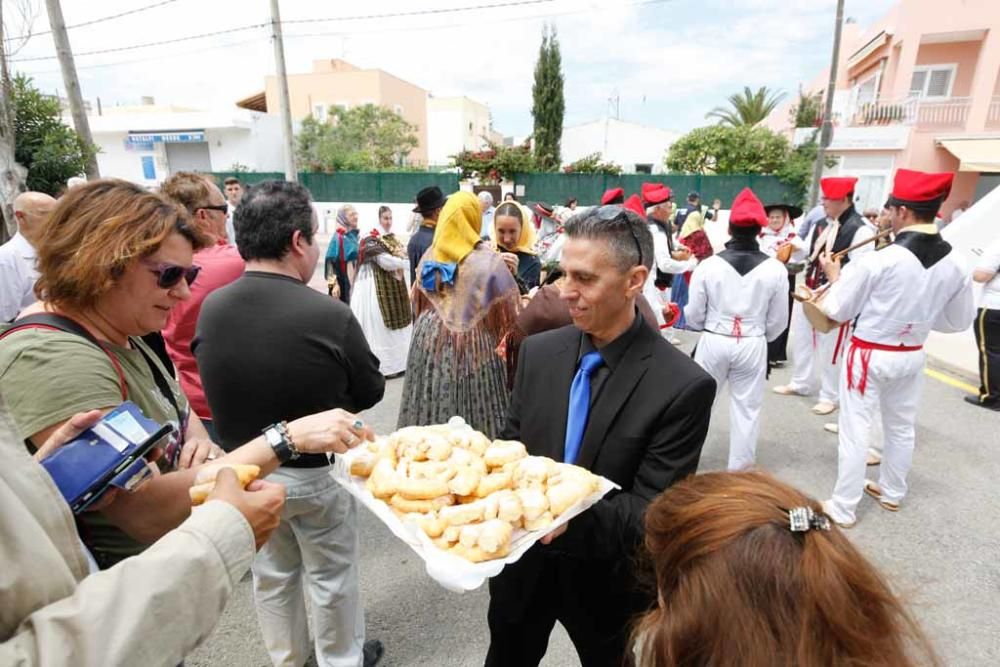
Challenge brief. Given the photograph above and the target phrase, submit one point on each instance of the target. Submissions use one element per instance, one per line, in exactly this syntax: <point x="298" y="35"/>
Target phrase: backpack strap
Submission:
<point x="62" y="323"/>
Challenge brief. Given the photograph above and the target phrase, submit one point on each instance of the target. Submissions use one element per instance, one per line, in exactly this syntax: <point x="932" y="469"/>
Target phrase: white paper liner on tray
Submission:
<point x="451" y="571"/>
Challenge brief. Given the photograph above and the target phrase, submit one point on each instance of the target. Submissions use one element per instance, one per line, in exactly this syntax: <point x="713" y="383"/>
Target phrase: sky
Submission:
<point x="666" y="62"/>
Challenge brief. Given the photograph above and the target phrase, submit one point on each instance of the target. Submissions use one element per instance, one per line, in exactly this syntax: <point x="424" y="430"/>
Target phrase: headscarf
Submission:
<point x="694" y="221"/>
<point x="529" y="236"/>
<point x="456" y="235"/>
<point x="350" y="240"/>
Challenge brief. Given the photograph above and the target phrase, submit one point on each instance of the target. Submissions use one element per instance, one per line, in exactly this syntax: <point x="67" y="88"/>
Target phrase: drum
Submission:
<point x="817" y="318"/>
<point x="784" y="253"/>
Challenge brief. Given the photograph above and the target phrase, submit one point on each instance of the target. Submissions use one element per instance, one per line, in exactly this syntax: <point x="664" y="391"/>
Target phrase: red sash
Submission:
<point x="866" y="356"/>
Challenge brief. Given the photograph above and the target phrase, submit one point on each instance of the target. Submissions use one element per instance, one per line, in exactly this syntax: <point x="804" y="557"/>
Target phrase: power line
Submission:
<point x="150" y="44"/>
<point x="100" y="20"/>
<point x="422" y="12"/>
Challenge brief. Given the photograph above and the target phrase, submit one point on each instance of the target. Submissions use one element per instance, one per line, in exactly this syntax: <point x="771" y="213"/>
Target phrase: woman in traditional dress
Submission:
<point x="465" y="302"/>
<point x="694" y="237"/>
<point x="342" y="254"/>
<point x="515" y="240"/>
<point x="779" y="240"/>
<point x="381" y="301"/>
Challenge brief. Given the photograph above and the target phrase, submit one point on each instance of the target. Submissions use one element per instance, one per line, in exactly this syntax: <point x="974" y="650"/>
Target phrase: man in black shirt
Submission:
<point x="272" y="349"/>
<point x="430" y="201"/>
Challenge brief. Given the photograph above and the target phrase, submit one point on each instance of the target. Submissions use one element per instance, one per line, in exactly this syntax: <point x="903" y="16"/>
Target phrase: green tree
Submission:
<point x="747" y="108"/>
<point x="592" y="164"/>
<point x="364" y="138"/>
<point x="51" y="151"/>
<point x="548" y="104"/>
<point x="721" y="149"/>
<point x="797" y="169"/>
<point x="808" y="111"/>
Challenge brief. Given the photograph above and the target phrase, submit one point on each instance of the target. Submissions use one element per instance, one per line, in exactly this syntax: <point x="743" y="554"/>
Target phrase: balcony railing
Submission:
<point x="993" y="113"/>
<point x="920" y="112"/>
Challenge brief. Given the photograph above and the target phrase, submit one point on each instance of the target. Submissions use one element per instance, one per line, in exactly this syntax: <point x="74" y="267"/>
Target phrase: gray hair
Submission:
<point x="486" y="198"/>
<point x="625" y="232"/>
<point x="267" y="216"/>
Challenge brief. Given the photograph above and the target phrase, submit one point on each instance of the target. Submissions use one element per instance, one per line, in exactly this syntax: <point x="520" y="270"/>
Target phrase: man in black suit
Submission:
<point x="610" y="394"/>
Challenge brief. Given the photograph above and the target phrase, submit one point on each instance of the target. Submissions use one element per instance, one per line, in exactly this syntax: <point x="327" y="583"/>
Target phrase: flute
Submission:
<point x="881" y="235"/>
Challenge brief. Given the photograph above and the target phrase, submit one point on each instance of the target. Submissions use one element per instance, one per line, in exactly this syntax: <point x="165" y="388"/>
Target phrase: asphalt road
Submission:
<point x="940" y="551"/>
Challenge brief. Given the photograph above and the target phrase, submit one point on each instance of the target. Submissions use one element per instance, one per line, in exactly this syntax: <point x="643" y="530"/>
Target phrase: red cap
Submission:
<point x="613" y="196"/>
<point x="837" y="187"/>
<point x="747" y="210"/>
<point x="920" y="187"/>
<point x="655" y="193"/>
<point x="634" y="204"/>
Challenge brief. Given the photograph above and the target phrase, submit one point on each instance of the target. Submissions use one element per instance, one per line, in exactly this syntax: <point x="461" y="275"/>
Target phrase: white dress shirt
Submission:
<point x="990" y="261"/>
<point x="18" y="274"/>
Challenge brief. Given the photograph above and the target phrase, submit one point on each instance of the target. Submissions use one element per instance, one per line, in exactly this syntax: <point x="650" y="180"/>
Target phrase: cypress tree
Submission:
<point x="549" y="105"/>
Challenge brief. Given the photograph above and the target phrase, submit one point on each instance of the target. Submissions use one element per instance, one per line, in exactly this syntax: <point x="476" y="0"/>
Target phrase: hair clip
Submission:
<point x="803" y="519"/>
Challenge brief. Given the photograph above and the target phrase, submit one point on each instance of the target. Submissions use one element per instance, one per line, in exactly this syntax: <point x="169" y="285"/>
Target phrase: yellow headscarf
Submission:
<point x="458" y="228"/>
<point x="529" y="236"/>
<point x="694" y="221"/>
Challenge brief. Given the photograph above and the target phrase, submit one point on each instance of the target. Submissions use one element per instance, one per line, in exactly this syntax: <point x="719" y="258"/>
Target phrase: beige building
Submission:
<point x="455" y="124"/>
<point x="338" y="83"/>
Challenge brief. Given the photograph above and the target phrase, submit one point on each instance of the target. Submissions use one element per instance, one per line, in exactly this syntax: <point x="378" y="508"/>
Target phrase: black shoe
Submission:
<point x="372" y="652"/>
<point x="989" y="405"/>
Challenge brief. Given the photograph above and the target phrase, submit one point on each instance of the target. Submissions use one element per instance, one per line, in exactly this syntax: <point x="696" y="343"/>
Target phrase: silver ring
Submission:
<point x="212" y="456"/>
<point x="358" y="424"/>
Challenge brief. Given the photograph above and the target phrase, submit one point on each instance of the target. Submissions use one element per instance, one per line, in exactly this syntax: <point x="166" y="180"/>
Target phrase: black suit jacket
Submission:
<point x="645" y="430"/>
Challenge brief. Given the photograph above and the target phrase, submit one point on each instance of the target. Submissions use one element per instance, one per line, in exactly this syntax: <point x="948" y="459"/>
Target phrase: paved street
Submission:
<point x="940" y="551"/>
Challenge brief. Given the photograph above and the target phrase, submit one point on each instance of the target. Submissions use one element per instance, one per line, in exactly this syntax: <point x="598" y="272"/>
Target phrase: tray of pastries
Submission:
<point x="466" y="505"/>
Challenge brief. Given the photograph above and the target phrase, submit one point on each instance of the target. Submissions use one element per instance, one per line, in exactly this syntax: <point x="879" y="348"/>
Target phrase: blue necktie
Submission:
<point x="579" y="405"/>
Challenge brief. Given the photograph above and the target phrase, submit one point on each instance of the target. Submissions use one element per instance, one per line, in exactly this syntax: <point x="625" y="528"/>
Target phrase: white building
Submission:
<point x="635" y="148"/>
<point x="147" y="143"/>
<point x="455" y="124"/>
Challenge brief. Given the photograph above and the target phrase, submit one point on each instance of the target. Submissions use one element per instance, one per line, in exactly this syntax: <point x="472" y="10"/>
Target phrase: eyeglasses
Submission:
<point x="169" y="276"/>
<point x="221" y="208"/>
<point x="872" y="216"/>
<point x="614" y="213"/>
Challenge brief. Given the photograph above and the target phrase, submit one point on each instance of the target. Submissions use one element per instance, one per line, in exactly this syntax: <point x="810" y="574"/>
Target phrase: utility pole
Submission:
<point x="826" y="134"/>
<point x="71" y="82"/>
<point x="283" y="103"/>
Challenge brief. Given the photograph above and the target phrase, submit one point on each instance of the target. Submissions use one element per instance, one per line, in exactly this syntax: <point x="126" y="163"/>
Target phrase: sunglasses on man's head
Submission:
<point x="614" y="213"/>
<point x="221" y="208"/>
<point x="169" y="276"/>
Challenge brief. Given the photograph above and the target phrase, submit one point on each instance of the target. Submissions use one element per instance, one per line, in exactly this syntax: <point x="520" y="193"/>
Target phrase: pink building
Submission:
<point x="920" y="89"/>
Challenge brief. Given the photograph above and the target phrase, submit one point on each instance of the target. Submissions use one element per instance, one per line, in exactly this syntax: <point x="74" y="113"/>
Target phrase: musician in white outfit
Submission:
<point x="739" y="298"/>
<point x="842" y="229"/>
<point x="667" y="259"/>
<point x="780" y="240"/>
<point x="897" y="296"/>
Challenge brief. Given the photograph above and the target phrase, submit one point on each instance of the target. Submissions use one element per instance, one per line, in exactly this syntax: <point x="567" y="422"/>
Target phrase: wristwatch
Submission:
<point x="281" y="442"/>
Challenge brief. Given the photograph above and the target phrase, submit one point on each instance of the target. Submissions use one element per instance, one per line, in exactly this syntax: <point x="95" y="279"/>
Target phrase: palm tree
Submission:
<point x="749" y="108"/>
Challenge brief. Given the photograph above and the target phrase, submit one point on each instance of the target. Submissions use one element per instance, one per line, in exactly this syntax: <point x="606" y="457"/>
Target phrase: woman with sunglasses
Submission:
<point x="113" y="261"/>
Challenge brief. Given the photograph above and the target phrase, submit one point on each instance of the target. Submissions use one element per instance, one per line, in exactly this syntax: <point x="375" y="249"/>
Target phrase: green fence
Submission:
<point x="375" y="187"/>
<point x="588" y="188"/>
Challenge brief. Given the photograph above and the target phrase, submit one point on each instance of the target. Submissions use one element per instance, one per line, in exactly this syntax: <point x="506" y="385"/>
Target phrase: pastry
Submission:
<point x="382" y="481"/>
<point x="363" y="464"/>
<point x="491" y="506"/>
<point x="566" y="494"/>
<point x="494" y="482"/>
<point x="540" y="523"/>
<point x="442" y="470"/>
<point x="510" y="509"/>
<point x="468" y="536"/>
<point x="494" y="537"/>
<point x="473" y="555"/>
<point x="534" y="503"/>
<point x="421" y="506"/>
<point x="459" y="515"/>
<point x="478" y="443"/>
<point x="204" y="480"/>
<point x="502" y="452"/>
<point x="533" y="471"/>
<point x="465" y="482"/>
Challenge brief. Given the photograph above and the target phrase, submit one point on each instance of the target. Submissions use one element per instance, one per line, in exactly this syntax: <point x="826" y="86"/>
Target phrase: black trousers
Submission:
<point x="987" y="329"/>
<point x="594" y="601"/>
<point x="777" y="349"/>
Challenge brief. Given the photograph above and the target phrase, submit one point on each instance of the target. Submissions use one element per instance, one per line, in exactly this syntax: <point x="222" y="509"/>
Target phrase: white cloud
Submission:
<point x="682" y="56"/>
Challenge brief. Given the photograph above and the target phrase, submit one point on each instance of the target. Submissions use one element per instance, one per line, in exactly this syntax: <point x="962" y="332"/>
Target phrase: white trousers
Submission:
<point x="893" y="385"/>
<point x="830" y="360"/>
<point x="314" y="551"/>
<point x="802" y="345"/>
<point x="742" y="363"/>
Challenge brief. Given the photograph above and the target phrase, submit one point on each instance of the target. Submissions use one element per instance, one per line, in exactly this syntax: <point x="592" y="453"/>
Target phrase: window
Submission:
<point x="319" y="112"/>
<point x="398" y="109"/>
<point x="866" y="90"/>
<point x="932" y="81"/>
<point x="644" y="169"/>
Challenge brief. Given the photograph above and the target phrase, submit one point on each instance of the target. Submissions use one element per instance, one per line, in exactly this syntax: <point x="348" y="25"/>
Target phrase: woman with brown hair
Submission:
<point x="114" y="260"/>
<point x="751" y="573"/>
